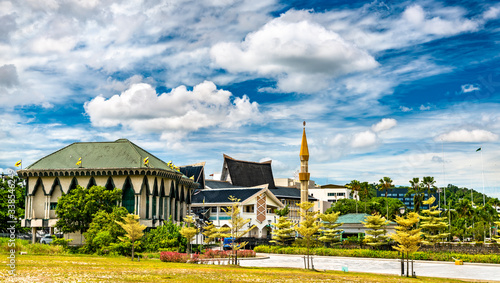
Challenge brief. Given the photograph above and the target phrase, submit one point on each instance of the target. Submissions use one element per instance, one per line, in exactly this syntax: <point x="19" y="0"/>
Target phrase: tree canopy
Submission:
<point x="76" y="209"/>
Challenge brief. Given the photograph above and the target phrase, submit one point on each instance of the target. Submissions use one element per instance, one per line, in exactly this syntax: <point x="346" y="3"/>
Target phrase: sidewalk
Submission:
<point x="489" y="272"/>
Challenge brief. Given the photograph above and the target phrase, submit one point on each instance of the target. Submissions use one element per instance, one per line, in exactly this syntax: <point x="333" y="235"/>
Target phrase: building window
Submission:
<point x="213" y="209"/>
<point x="341" y="194"/>
<point x="331" y="194"/>
<point x="249" y="209"/>
<point x="53" y="205"/>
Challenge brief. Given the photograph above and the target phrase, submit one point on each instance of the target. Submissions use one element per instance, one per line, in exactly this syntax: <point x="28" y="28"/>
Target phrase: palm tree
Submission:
<point x="428" y="183"/>
<point x="365" y="192"/>
<point x="385" y="185"/>
<point x="417" y="189"/>
<point x="355" y="187"/>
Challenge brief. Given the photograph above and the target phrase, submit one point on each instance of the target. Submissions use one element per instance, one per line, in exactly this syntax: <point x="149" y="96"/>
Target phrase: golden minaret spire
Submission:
<point x="304" y="170"/>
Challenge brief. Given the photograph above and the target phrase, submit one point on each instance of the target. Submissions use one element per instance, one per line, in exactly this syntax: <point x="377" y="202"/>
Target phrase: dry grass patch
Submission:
<point x="78" y="268"/>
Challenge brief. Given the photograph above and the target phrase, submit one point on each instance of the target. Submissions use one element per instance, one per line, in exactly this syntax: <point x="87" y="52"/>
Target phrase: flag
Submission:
<point x="192" y="177"/>
<point x="478" y="149"/>
<point x="79" y="162"/>
<point x="146" y="160"/>
<point x="19" y="163"/>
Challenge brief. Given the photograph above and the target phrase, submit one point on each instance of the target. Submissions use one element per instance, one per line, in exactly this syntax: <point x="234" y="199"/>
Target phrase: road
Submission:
<point x="488" y="272"/>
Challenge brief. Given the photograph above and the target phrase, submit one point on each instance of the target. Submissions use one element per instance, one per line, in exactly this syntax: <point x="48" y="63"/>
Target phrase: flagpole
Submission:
<point x="482" y="165"/>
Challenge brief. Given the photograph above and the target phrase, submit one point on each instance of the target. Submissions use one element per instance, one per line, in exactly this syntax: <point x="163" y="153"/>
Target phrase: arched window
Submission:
<point x="91" y="183"/>
<point x="128" y="196"/>
<point x="73" y="184"/>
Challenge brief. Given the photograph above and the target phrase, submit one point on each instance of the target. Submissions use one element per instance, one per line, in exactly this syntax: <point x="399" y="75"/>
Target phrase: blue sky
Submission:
<point x="398" y="89"/>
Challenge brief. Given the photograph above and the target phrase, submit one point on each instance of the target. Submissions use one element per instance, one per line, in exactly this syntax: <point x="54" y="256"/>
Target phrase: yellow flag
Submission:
<point x="19" y="163"/>
<point x="192" y="177"/>
<point x="79" y="162"/>
<point x="146" y="161"/>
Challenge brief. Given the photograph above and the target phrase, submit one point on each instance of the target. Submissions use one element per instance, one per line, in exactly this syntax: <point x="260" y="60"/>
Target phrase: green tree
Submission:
<point x="104" y="231"/>
<point x="133" y="230"/>
<point x="76" y="209"/>
<point x="308" y="227"/>
<point x="355" y="187"/>
<point x="12" y="197"/>
<point x="376" y="230"/>
<point x="283" y="233"/>
<point x="385" y="184"/>
<point x="407" y="236"/>
<point x="165" y="237"/>
<point x="329" y="232"/>
<point x="282" y="212"/>
<point x="189" y="231"/>
<point x="237" y="224"/>
<point x="432" y="225"/>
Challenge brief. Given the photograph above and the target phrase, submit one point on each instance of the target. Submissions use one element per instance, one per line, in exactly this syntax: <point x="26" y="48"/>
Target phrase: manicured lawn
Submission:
<point x="83" y="268"/>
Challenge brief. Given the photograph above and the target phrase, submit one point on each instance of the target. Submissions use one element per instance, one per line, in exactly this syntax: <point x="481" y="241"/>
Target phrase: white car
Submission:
<point x="47" y="239"/>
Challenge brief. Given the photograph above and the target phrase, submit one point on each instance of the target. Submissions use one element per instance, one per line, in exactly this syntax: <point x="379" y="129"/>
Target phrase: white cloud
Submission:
<point x="424" y="108"/>
<point x="364" y="139"/>
<point x="180" y="110"/>
<point x="384" y="125"/>
<point x="468" y="136"/>
<point x="405" y="109"/>
<point x="469" y="88"/>
<point x="302" y="55"/>
<point x="491" y="13"/>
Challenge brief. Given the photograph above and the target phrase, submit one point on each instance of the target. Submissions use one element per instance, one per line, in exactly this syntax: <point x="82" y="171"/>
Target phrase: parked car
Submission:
<point x="47" y="239"/>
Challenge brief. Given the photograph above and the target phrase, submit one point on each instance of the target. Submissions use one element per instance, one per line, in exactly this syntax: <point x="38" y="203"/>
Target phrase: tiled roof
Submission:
<point x="248" y="174"/>
<point x="222" y="195"/>
<point x="118" y="154"/>
<point x="289" y="192"/>
<point x="352" y="218"/>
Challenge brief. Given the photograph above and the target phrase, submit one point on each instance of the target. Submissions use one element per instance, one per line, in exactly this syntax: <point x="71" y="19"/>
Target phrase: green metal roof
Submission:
<point x="352" y="218"/>
<point x="121" y="153"/>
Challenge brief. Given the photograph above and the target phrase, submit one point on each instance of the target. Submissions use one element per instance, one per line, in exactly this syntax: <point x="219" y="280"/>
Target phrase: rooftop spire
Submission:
<point x="304" y="150"/>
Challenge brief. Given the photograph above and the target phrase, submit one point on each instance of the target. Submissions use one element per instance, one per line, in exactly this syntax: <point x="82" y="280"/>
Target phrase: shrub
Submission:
<point x="179" y="257"/>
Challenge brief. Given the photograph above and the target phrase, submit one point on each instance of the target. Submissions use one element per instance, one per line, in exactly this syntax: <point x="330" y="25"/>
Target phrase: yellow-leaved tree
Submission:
<point x="236" y="229"/>
<point x="133" y="230"/>
<point x="407" y="235"/>
<point x="432" y="225"/>
<point x="188" y="231"/>
<point x="211" y="232"/>
<point x="309" y="226"/>
<point x="330" y="233"/>
<point x="376" y="230"/>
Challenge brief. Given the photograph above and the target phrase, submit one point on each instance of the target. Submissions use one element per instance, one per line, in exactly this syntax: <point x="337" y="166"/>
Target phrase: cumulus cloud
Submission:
<point x="405" y="109"/>
<point x="364" y="139"/>
<point x="469" y="88"/>
<point x="468" y="136"/>
<point x="384" y="125"/>
<point x="424" y="108"/>
<point x="416" y="17"/>
<point x="302" y="55"/>
<point x="182" y="110"/>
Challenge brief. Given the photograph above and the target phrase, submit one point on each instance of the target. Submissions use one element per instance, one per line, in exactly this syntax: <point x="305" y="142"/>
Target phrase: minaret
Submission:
<point x="304" y="170"/>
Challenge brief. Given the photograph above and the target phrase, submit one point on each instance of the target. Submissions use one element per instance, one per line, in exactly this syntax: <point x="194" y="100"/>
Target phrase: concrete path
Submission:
<point x="487" y="272"/>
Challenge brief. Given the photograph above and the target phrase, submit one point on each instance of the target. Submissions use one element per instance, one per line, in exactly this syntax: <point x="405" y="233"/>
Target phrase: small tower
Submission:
<point x="304" y="170"/>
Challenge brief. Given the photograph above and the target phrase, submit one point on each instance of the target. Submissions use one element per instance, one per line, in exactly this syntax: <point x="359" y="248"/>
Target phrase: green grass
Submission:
<point x="86" y="268"/>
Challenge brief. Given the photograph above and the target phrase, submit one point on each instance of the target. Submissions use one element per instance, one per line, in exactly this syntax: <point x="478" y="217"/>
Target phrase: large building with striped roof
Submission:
<point x="150" y="187"/>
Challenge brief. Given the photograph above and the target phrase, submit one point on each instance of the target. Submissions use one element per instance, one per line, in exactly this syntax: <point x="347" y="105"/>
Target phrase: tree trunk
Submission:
<point x="133" y="251"/>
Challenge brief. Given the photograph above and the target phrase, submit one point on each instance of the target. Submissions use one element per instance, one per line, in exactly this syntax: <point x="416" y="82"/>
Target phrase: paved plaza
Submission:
<point x="488" y="272"/>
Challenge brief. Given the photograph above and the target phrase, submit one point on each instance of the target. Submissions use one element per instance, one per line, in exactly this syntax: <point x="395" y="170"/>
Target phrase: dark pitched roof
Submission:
<point x="246" y="173"/>
<point x="196" y="170"/>
<point x="289" y="192"/>
<point x="222" y="195"/>
<point x="214" y="184"/>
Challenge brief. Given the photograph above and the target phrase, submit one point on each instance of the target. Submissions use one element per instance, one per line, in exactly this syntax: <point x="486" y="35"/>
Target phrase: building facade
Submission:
<point x="150" y="188"/>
